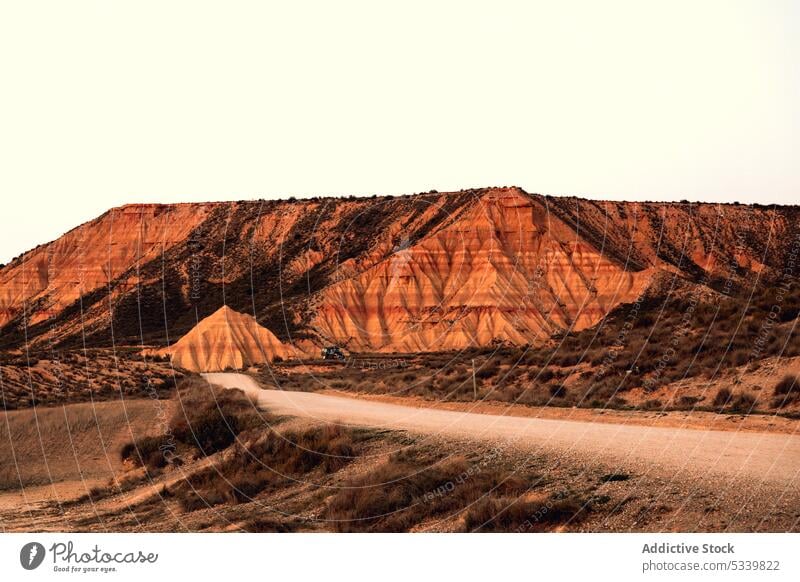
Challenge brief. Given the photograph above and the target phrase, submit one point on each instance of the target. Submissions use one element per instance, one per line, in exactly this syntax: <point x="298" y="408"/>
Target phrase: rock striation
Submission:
<point x="427" y="272"/>
<point x="506" y="271"/>
<point x="226" y="340"/>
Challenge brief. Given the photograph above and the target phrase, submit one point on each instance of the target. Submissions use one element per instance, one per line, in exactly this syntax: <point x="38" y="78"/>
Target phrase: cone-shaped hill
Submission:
<point x="226" y="339"/>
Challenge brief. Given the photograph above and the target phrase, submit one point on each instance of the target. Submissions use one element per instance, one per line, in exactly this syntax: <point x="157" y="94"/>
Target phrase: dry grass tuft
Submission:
<point x="787" y="391"/>
<point x="412" y="487"/>
<point x="267" y="463"/>
<point x="509" y="514"/>
<point x="206" y="420"/>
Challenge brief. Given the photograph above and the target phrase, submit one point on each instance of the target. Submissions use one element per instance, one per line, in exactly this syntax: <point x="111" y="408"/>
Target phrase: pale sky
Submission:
<point x="104" y="103"/>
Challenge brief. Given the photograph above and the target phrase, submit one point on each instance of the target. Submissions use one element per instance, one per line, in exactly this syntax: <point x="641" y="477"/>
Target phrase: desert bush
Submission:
<point x="272" y="460"/>
<point x="207" y="420"/>
<point x="653" y="404"/>
<point x="270" y="525"/>
<point x="786" y="391"/>
<point x="532" y="358"/>
<point x="295" y="453"/>
<point x="612" y="477"/>
<point x="604" y="389"/>
<point x="342" y="384"/>
<point x="546" y="375"/>
<point x="444" y="383"/>
<point x="787" y="385"/>
<point x="115" y="486"/>
<point x="489" y="369"/>
<point x="723" y="397"/>
<point x="409" y="377"/>
<point x="743" y="402"/>
<point x="146" y="451"/>
<point x="688" y="401"/>
<point x="512" y="375"/>
<point x="210" y="430"/>
<point x="617" y="402"/>
<point x="412" y="487"/>
<point x="531" y="397"/>
<point x="509" y="514"/>
<point x="568" y="359"/>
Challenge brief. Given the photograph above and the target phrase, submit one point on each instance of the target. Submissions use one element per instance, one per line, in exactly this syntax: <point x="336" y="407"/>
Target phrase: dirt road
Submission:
<point x="769" y="458"/>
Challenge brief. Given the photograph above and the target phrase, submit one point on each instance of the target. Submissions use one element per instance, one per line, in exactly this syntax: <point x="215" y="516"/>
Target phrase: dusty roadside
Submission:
<point x="696" y="419"/>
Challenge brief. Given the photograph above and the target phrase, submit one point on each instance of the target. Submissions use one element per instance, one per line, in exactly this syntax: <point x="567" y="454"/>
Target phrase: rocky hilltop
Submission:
<point x="424" y="272"/>
<point x="226" y="340"/>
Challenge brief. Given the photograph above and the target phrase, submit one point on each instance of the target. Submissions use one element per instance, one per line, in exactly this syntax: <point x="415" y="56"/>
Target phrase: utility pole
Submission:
<point x="474" y="385"/>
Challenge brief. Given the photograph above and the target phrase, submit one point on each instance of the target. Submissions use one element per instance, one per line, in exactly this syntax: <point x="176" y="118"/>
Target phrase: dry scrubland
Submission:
<point x="63" y="377"/>
<point x="510" y="377"/>
<point x="727" y="354"/>
<point x="230" y="467"/>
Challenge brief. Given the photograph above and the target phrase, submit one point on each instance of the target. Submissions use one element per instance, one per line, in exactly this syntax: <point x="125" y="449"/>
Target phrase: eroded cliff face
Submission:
<point x="425" y="272"/>
<point x="51" y="277"/>
<point x="505" y="271"/>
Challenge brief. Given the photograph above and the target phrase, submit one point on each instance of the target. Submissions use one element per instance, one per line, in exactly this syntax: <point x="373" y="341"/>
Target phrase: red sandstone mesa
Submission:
<point x="425" y="272"/>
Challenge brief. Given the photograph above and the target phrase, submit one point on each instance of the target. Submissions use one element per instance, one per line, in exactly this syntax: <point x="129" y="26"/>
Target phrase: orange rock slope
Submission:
<point x="430" y="271"/>
<point x="226" y="340"/>
<point x="53" y="276"/>
<point x="507" y="270"/>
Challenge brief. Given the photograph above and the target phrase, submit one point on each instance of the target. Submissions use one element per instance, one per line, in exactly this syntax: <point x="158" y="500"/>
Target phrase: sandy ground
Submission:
<point x="766" y="458"/>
